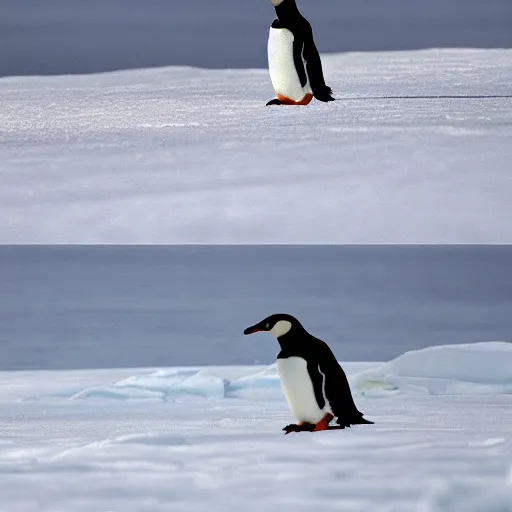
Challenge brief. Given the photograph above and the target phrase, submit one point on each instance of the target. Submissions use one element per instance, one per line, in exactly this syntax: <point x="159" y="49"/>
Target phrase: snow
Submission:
<point x="469" y="497"/>
<point x="416" y="151"/>
<point x="187" y="446"/>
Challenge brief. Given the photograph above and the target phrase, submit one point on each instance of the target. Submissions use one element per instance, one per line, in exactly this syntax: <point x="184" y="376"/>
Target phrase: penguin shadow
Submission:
<point x="430" y="97"/>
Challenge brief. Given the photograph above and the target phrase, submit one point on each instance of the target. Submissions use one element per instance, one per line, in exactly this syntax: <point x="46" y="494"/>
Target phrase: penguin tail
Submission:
<point x="364" y="421"/>
<point x="354" y="421"/>
<point x="323" y="94"/>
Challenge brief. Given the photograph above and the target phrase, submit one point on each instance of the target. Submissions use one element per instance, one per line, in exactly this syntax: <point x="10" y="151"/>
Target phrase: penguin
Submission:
<point x="293" y="59"/>
<point x="314" y="384"/>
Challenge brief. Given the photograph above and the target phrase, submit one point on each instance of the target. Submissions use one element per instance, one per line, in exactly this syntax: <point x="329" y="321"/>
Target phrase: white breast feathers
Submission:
<point x="284" y="76"/>
<point x="298" y="390"/>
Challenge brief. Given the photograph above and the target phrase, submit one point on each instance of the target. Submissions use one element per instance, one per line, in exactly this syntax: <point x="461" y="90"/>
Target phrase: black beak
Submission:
<point x="252" y="329"/>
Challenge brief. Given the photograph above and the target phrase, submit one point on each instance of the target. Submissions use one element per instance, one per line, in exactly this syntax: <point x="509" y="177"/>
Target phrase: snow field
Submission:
<point x="161" y="439"/>
<point x="416" y="150"/>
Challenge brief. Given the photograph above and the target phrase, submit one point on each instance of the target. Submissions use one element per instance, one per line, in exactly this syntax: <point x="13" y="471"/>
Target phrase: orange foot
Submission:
<point x="287" y="101"/>
<point x="323" y="424"/>
<point x="302" y="426"/>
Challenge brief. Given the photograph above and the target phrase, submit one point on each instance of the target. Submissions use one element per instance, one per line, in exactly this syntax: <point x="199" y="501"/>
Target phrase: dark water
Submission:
<point x="92" y="307"/>
<point x="83" y="36"/>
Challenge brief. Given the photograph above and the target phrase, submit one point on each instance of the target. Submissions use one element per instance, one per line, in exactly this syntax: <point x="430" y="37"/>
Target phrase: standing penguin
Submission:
<point x="314" y="384"/>
<point x="293" y="59"/>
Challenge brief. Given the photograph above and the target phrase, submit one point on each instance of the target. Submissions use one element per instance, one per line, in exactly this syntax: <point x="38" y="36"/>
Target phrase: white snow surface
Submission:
<point x="416" y="150"/>
<point x="188" y="439"/>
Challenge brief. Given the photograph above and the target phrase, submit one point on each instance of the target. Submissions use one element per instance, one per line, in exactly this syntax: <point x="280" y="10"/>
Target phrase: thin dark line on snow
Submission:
<point x="436" y="97"/>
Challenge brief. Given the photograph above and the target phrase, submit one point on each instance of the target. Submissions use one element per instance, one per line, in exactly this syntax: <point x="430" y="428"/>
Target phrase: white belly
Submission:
<point x="281" y="65"/>
<point x="298" y="389"/>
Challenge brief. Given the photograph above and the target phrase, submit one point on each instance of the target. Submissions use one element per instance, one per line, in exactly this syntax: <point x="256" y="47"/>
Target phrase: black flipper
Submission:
<point x="337" y="390"/>
<point x="298" y="49"/>
<point x="318" y="383"/>
<point x="321" y="91"/>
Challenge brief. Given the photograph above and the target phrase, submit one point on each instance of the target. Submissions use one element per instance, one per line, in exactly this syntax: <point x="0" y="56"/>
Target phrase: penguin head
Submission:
<point x="278" y="324"/>
<point x="275" y="3"/>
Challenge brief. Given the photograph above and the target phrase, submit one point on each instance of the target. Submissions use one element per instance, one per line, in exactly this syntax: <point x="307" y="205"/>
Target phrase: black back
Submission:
<point x="325" y="372"/>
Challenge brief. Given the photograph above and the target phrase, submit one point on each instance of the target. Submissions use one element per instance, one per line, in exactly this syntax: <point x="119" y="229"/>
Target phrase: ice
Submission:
<point x="162" y="385"/>
<point x="261" y="385"/>
<point x="476" y="368"/>
<point x="224" y="448"/>
<point x="416" y="150"/>
<point x="462" y="369"/>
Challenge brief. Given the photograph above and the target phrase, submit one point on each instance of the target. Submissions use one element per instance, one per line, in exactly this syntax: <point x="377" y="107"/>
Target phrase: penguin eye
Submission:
<point x="267" y="325"/>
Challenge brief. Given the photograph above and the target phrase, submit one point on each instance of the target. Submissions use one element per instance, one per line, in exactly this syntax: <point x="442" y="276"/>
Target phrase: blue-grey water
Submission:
<point x="84" y="36"/>
<point x="111" y="306"/>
